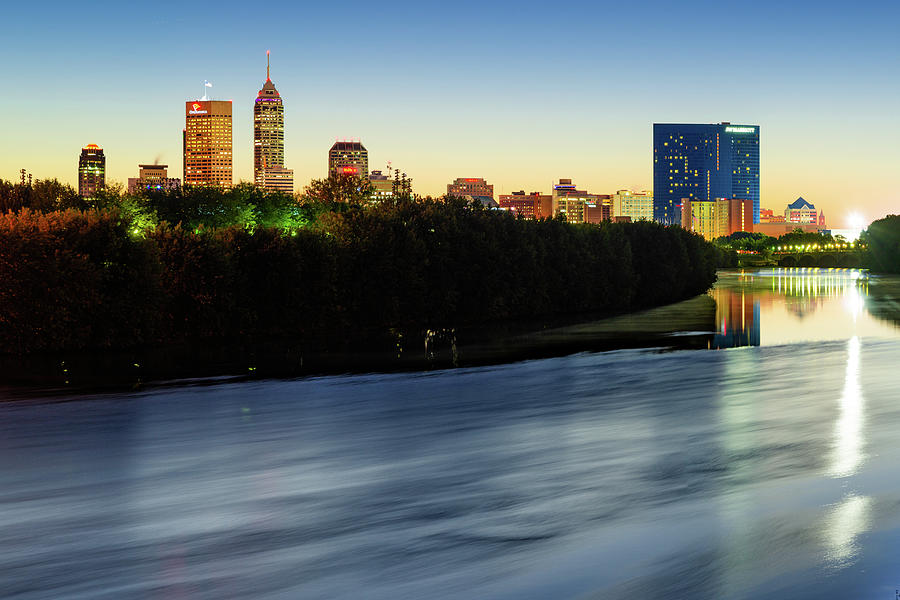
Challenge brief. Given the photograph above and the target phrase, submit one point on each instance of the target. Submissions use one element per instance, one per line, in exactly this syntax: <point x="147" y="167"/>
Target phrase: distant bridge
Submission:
<point x="815" y="258"/>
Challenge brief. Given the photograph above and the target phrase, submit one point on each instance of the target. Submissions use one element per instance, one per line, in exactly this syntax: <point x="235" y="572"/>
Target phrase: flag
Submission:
<point x="207" y="84"/>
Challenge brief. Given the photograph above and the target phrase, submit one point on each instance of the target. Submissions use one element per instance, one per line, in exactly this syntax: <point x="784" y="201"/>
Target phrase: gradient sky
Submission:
<point x="519" y="93"/>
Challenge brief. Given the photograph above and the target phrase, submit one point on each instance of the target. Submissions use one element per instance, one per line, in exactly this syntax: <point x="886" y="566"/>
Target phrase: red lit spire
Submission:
<point x="267" y="67"/>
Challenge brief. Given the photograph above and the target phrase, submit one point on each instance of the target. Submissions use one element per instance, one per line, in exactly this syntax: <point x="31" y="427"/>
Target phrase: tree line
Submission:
<point x="156" y="268"/>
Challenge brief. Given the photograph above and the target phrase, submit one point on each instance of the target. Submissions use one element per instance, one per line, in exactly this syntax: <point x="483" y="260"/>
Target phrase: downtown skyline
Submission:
<point x="439" y="107"/>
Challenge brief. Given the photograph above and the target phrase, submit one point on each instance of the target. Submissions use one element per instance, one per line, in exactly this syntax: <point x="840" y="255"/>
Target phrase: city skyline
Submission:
<point x="824" y="140"/>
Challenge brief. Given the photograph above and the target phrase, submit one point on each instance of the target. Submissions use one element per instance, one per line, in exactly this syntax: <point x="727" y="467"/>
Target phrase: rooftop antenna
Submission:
<point x="267" y="67"/>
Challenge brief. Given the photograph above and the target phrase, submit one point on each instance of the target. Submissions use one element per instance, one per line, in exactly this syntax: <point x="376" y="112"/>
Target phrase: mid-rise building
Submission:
<point x="91" y="170"/>
<point x="634" y="205"/>
<point x="599" y="209"/>
<point x="530" y="206"/>
<point x="767" y="215"/>
<point x="348" y="158"/>
<point x="268" y="139"/>
<point x="470" y="186"/>
<point x="153" y="177"/>
<point x="801" y="211"/>
<point x="579" y="206"/>
<point x="702" y="162"/>
<point x="207" y="143"/>
<point x="717" y="218"/>
<point x="382" y="185"/>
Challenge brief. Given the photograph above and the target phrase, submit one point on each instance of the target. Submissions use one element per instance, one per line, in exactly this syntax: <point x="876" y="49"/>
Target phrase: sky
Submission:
<point x="521" y="94"/>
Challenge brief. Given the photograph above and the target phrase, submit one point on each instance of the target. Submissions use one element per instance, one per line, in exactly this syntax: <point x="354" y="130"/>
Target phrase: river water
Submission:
<point x="765" y="467"/>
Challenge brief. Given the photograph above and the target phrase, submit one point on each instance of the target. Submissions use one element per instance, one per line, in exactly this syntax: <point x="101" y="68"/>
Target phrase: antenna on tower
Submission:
<point x="268" y="78"/>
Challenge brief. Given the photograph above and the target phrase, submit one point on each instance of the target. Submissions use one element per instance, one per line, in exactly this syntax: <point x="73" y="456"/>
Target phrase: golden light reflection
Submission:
<point x="843" y="525"/>
<point x="847" y="454"/>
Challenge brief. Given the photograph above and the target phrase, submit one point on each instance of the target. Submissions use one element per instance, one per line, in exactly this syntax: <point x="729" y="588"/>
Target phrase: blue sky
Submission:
<point x="521" y="94"/>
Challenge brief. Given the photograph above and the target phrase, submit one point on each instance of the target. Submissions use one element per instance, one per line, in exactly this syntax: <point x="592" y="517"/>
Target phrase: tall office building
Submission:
<point x="348" y="158"/>
<point x="207" y="143"/>
<point x="268" y="139"/>
<point x="91" y="170"/>
<point x="702" y="163"/>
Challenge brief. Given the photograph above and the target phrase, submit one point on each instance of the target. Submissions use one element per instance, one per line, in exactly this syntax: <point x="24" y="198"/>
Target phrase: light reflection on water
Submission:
<point x="759" y="472"/>
<point x="848" y="431"/>
<point x="786" y="305"/>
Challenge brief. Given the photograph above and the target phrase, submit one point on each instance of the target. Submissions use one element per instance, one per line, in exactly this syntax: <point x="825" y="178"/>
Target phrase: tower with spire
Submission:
<point x="268" y="139"/>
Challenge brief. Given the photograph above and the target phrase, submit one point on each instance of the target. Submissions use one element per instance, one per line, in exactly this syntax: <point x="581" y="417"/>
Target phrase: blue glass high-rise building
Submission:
<point x="703" y="162"/>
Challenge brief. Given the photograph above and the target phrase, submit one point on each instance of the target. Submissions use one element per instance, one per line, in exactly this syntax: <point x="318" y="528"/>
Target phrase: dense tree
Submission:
<point x="233" y="264"/>
<point x="338" y="189"/>
<point x="883" y="240"/>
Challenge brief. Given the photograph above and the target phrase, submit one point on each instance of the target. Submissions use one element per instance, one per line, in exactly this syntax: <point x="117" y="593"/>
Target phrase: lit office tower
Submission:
<point x="91" y="170"/>
<point x="207" y="143"/>
<point x="702" y="163"/>
<point x="348" y="158"/>
<point x="268" y="139"/>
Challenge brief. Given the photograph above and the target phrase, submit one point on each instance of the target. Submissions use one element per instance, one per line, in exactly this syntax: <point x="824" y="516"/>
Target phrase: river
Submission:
<point x="765" y="466"/>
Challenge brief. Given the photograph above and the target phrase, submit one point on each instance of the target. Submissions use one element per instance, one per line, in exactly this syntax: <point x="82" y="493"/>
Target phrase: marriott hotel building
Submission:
<point x="703" y="162"/>
<point x="207" y="143"/>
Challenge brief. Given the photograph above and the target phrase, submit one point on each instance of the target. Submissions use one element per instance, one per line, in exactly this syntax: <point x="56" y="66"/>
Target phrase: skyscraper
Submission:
<point x="348" y="158"/>
<point x="701" y="163"/>
<point x="268" y="139"/>
<point x="207" y="143"/>
<point x="91" y="170"/>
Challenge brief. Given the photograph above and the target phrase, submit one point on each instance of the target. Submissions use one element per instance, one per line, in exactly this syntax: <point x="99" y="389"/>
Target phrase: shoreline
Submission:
<point x="503" y="342"/>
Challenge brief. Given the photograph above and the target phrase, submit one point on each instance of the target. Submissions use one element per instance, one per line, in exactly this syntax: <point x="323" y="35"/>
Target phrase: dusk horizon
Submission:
<point x="530" y="103"/>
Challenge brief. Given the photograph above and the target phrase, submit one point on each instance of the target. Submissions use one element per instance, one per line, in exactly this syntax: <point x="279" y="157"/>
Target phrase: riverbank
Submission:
<point x="686" y="324"/>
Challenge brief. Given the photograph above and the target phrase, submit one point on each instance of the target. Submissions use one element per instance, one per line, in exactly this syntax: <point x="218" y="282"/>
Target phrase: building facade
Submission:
<point x="779" y="229"/>
<point x="91" y="170"/>
<point x="717" y="218"/>
<point x="767" y="215"/>
<point x="152" y="177"/>
<point x="579" y="206"/>
<point x="382" y="185"/>
<point x="207" y="143"/>
<point x="348" y="158"/>
<point x="470" y="186"/>
<point x="268" y="139"/>
<point x="530" y="206"/>
<point x="702" y="162"/>
<point x="634" y="205"/>
<point x="801" y="211"/>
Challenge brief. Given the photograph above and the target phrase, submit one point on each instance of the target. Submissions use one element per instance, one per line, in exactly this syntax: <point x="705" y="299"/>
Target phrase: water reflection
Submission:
<point x="844" y="524"/>
<point x="780" y="306"/>
<point x="848" y="431"/>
